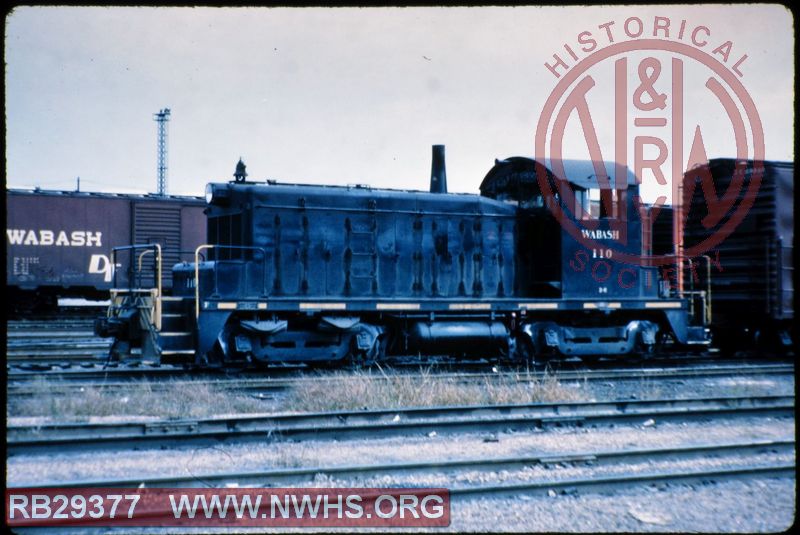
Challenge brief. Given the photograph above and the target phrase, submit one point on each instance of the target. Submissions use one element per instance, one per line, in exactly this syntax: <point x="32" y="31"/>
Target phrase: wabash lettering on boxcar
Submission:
<point x="58" y="238"/>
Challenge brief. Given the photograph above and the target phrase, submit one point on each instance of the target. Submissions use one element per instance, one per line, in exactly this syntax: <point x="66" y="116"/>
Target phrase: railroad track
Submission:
<point x="37" y="324"/>
<point x="19" y="384"/>
<point x="90" y="354"/>
<point x="54" y="341"/>
<point x="388" y="422"/>
<point x="597" y="471"/>
<point x="58" y="350"/>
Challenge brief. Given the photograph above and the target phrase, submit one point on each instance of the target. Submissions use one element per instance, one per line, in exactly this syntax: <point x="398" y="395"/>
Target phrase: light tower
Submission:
<point x="162" y="118"/>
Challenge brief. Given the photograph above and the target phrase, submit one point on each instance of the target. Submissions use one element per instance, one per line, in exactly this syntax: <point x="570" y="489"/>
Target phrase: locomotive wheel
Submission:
<point x="359" y="358"/>
<point x="648" y="351"/>
<point x="118" y="348"/>
<point x="235" y="367"/>
<point x="524" y="352"/>
<point x="326" y="366"/>
<point x="356" y="361"/>
<point x="213" y="359"/>
<point x="116" y="351"/>
<point x="591" y="359"/>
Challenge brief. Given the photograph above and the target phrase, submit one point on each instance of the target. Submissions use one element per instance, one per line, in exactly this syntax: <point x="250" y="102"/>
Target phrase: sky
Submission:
<point x="342" y="96"/>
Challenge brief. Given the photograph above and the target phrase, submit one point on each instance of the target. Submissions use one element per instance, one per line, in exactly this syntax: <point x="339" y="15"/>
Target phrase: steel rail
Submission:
<point x="78" y="357"/>
<point x="612" y="482"/>
<point x="59" y="331"/>
<point x="502" y="371"/>
<point x="271" y="384"/>
<point x="57" y="344"/>
<point x="386" y="422"/>
<point x="85" y="322"/>
<point x="291" y="476"/>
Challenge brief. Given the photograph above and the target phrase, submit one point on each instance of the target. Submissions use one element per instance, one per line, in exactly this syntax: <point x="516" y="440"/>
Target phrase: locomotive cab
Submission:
<point x="585" y="240"/>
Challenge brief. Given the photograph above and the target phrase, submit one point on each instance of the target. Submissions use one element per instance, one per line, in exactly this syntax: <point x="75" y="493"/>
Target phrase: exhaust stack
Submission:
<point x="438" y="171"/>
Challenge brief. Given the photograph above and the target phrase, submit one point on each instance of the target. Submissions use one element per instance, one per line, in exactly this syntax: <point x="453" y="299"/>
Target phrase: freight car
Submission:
<point x="751" y="273"/>
<point x="58" y="242"/>
<point x="325" y="274"/>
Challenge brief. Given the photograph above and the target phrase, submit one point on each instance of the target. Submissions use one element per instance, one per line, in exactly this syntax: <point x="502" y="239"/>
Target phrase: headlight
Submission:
<point x="218" y="194"/>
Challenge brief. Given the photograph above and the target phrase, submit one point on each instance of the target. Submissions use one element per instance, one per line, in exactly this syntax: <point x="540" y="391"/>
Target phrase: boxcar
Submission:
<point x="59" y="243"/>
<point x="751" y="280"/>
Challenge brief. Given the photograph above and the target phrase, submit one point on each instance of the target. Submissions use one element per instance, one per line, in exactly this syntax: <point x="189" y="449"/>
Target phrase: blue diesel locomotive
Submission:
<point x="330" y="274"/>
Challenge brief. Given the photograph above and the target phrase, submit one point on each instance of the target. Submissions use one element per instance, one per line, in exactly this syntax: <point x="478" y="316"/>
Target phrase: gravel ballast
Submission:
<point x="753" y="505"/>
<point x="759" y="504"/>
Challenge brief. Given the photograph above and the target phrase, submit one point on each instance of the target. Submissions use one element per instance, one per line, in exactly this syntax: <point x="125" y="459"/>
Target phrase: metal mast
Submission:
<point x="162" y="118"/>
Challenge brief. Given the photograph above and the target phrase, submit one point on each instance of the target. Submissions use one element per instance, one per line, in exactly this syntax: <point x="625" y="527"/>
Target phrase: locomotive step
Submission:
<point x="175" y="340"/>
<point x="173" y="306"/>
<point x="177" y="356"/>
<point x="173" y="322"/>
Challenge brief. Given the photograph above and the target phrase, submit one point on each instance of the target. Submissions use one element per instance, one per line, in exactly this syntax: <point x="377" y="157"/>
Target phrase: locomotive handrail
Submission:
<point x="191" y="252"/>
<point x="150" y="247"/>
<point x="705" y="295"/>
<point x="708" y="289"/>
<point x="779" y="276"/>
<point x="141" y="257"/>
<point x="679" y="259"/>
<point x="681" y="293"/>
<point x="197" y="270"/>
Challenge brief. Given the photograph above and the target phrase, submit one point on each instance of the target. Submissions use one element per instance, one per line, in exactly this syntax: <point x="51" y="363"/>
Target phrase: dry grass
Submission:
<point x="341" y="390"/>
<point x="179" y="400"/>
<point x="379" y="389"/>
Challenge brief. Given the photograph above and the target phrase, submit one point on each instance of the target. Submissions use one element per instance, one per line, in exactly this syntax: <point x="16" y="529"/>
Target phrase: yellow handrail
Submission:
<point x="141" y="257"/>
<point x="157" y="303"/>
<point x="158" y="293"/>
<point x="708" y="289"/>
<point x="705" y="295"/>
<point x="197" y="277"/>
